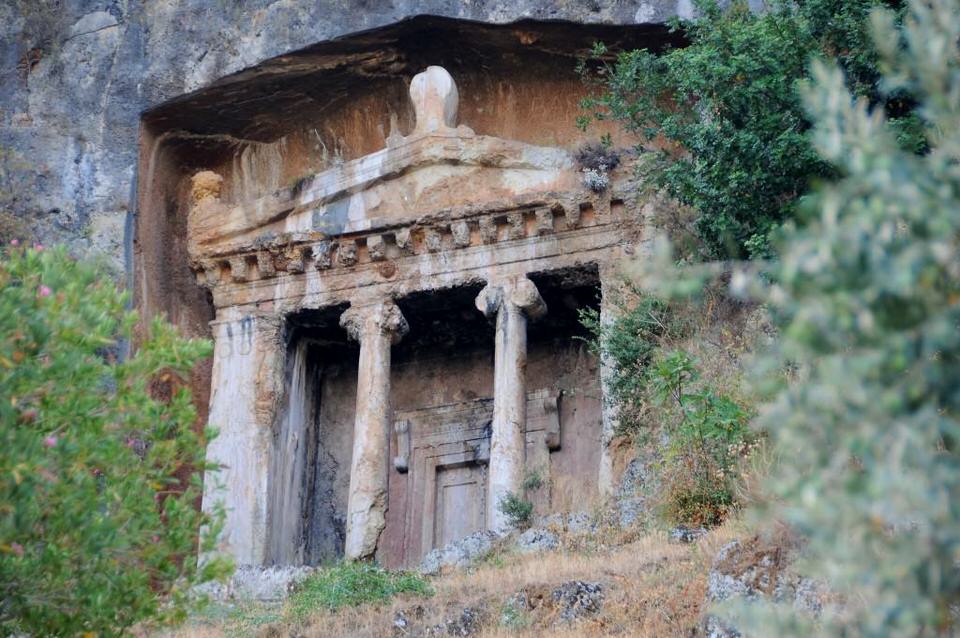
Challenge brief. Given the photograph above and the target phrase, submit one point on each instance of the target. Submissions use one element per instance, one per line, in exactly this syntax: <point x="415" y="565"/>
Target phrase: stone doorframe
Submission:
<point x="454" y="435"/>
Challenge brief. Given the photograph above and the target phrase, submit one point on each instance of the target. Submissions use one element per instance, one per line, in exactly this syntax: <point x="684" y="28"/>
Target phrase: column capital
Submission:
<point x="381" y="317"/>
<point x="514" y="294"/>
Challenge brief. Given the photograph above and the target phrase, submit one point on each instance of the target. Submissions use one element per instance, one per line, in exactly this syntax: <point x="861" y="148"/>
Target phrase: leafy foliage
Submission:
<point x="629" y="343"/>
<point x="533" y="480"/>
<point x="869" y="295"/>
<point x="352" y="583"/>
<point x="863" y="385"/>
<point x="700" y="434"/>
<point x="704" y="446"/>
<point x="98" y="479"/>
<point x="725" y="110"/>
<point x="519" y="511"/>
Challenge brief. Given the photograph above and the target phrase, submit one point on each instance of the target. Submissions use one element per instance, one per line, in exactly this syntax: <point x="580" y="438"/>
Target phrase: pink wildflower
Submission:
<point x="16" y="548"/>
<point x="155" y="539"/>
<point x="38" y="247"/>
<point x="50" y="441"/>
<point x="44" y="291"/>
<point x="14" y="242"/>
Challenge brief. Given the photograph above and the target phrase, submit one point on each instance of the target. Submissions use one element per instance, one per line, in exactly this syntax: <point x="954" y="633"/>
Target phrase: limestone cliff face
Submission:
<point x="77" y="74"/>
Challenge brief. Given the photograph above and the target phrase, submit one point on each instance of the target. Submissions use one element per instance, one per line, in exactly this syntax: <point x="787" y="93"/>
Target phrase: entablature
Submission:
<point x="432" y="252"/>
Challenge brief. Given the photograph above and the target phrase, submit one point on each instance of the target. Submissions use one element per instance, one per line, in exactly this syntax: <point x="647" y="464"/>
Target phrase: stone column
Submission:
<point x="608" y="408"/>
<point x="376" y="327"/>
<point x="513" y="301"/>
<point x="245" y="383"/>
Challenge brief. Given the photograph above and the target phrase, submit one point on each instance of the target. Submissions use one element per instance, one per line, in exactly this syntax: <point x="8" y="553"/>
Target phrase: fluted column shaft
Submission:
<point x="376" y="327"/>
<point x="513" y="302"/>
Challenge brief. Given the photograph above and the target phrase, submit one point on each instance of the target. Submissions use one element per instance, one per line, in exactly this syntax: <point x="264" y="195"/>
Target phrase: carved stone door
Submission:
<point x="460" y="503"/>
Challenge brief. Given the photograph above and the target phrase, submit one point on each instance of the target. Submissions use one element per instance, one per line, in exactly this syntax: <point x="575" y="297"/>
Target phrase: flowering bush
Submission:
<point x="98" y="479"/>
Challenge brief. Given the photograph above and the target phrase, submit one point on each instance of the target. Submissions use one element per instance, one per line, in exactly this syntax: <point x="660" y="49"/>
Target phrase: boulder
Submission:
<point x="751" y="570"/>
<point x="577" y="599"/>
<point x="684" y="534"/>
<point x="537" y="539"/>
<point x="460" y="553"/>
<point x="256" y="583"/>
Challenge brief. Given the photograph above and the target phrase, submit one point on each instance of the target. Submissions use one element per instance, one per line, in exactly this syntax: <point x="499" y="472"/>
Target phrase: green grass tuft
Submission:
<point x="352" y="584"/>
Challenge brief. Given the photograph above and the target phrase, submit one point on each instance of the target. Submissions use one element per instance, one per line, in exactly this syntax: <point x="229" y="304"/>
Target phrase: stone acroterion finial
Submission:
<point x="435" y="100"/>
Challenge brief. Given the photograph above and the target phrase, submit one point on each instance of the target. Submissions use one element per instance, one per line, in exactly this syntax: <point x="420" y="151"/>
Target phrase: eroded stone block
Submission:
<point x="294" y="259"/>
<point x="321" y="255"/>
<point x="265" y="265"/>
<point x="461" y="234"/>
<point x="544" y="221"/>
<point x="347" y="252"/>
<point x="404" y="242"/>
<point x="515" y="226"/>
<point x="239" y="271"/>
<point x="208" y="274"/>
<point x="205" y="185"/>
<point x="433" y="239"/>
<point x="488" y="229"/>
<point x="376" y="247"/>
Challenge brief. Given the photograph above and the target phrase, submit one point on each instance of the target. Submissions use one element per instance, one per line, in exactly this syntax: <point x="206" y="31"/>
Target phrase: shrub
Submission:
<point x="705" y="443"/>
<point x="862" y="389"/>
<point x="725" y="111"/>
<point x="868" y="295"/>
<point x="533" y="480"/>
<point x="350" y="584"/>
<point x="98" y="479"/>
<point x="519" y="512"/>
<point x="629" y="342"/>
<point x="700" y="435"/>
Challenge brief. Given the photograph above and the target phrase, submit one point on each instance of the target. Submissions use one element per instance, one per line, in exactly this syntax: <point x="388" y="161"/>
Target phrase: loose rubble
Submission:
<point x="751" y="571"/>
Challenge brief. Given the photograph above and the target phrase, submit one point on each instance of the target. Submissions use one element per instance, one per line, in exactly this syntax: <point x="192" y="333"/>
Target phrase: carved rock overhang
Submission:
<point x="268" y="100"/>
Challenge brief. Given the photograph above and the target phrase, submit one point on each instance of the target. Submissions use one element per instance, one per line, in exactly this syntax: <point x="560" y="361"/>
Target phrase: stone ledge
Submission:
<point x="296" y="253"/>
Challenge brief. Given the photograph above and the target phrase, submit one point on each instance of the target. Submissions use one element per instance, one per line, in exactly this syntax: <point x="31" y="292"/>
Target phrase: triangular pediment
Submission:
<point x="438" y="166"/>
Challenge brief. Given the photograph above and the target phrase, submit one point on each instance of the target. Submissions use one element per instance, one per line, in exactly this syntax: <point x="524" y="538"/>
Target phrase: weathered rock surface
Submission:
<point x="459" y="553"/>
<point x="77" y="76"/>
<point x="252" y="583"/>
<point x="417" y="622"/>
<point x="564" y="604"/>
<point x="570" y="522"/>
<point x="537" y="539"/>
<point x="750" y="570"/>
<point x="631" y="498"/>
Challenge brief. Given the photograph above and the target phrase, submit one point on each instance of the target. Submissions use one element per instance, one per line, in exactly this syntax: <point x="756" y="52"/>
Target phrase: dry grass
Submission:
<point x="652" y="587"/>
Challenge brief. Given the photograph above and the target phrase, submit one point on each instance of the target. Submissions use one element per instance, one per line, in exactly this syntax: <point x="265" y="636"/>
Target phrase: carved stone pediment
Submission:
<point x="438" y="166"/>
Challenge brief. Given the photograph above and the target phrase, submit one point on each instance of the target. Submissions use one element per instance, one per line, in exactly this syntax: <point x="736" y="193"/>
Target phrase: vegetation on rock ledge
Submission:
<point x="727" y="116"/>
